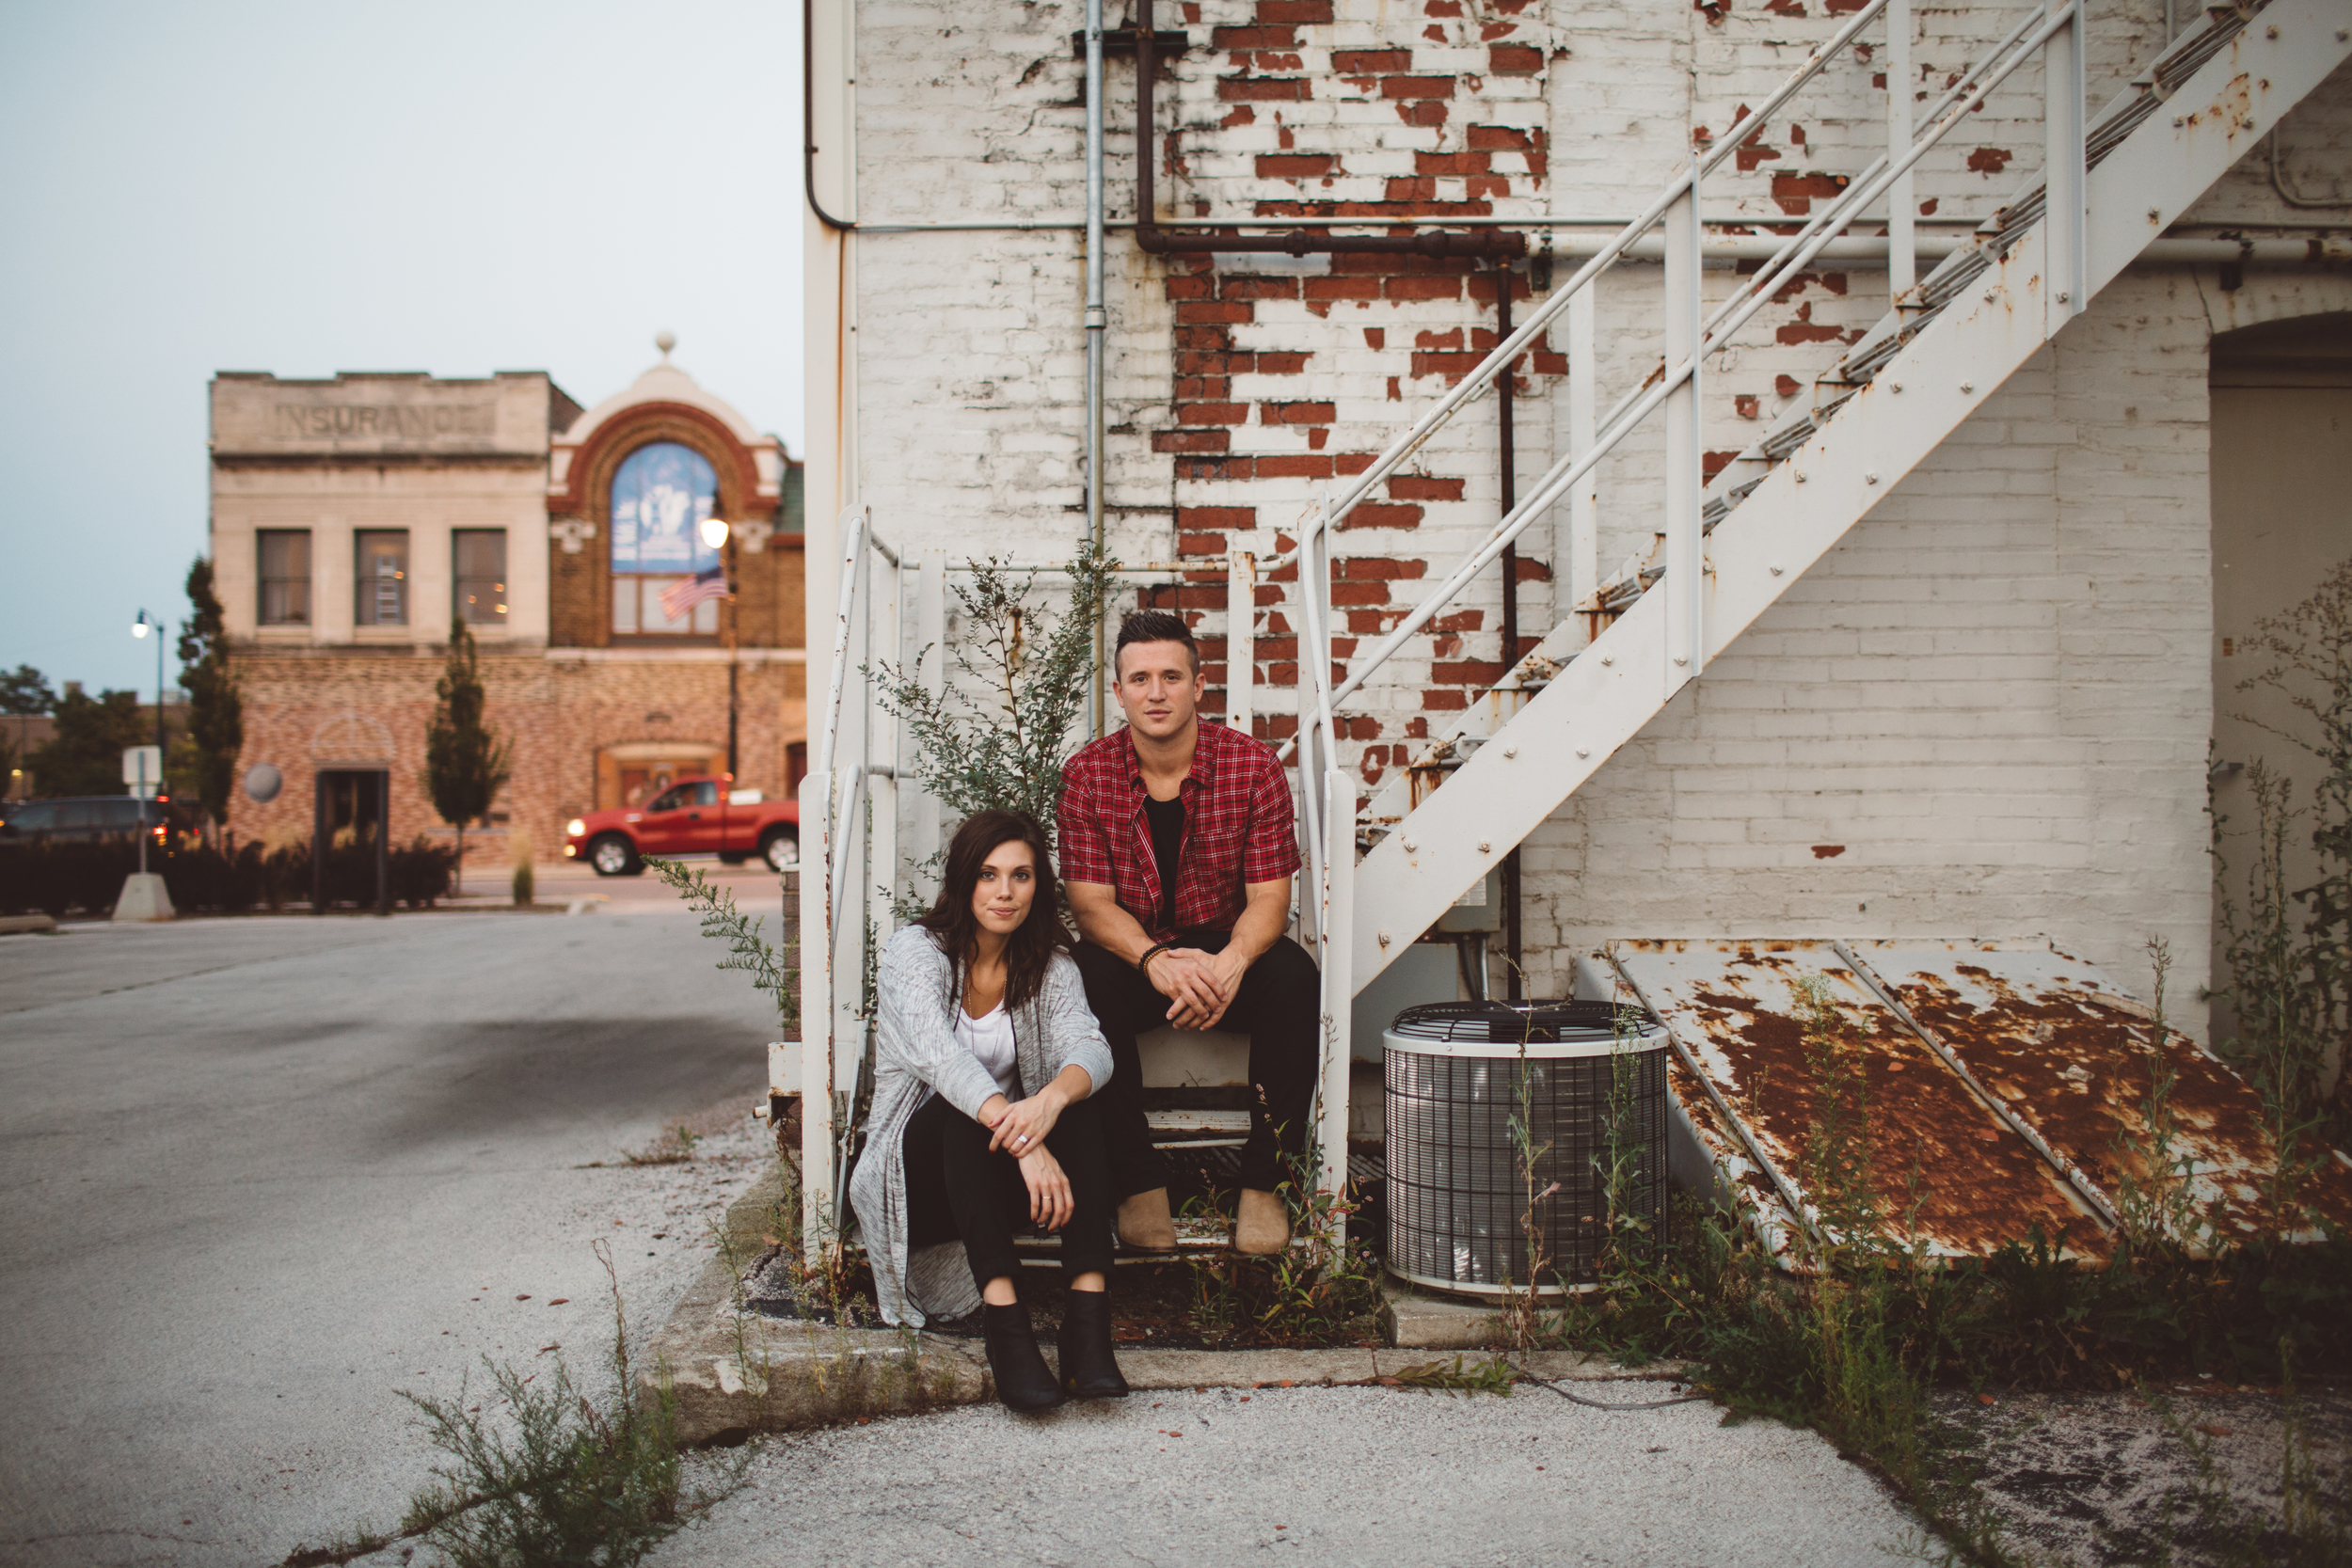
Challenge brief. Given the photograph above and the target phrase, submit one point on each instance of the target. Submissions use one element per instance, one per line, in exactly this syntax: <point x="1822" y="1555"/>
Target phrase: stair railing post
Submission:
<point x="1902" y="256"/>
<point x="1583" y="549"/>
<point x="1338" y="987"/>
<point x="2066" y="219"/>
<point x="930" y="642"/>
<point x="1315" y="666"/>
<point x="1685" y="584"/>
<point x="816" y="974"/>
<point x="1241" y="638"/>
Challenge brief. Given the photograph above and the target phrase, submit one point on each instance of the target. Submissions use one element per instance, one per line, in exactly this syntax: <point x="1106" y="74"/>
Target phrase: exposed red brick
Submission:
<point x="1446" y="700"/>
<point x="1189" y="440"/>
<point x="1378" y="568"/>
<point x="1375" y="337"/>
<point x="1816" y="183"/>
<point x="1989" y="160"/>
<point x="1317" y="436"/>
<point x="1417" y="86"/>
<point x="1239" y="518"/>
<point x="1205" y="388"/>
<point x="1752" y="152"/>
<point x="1295" y="166"/>
<point x="1260" y="89"/>
<point x="1281" y="362"/>
<point x="1746" y="405"/>
<point x="1802" y="330"/>
<point x="1213" y="413"/>
<point x="1200" y="544"/>
<point x="1254" y="287"/>
<point x="1424" y="288"/>
<point x="1371" y="62"/>
<point x="1449" y="163"/>
<point x="1713" y="463"/>
<point x="1479" y="187"/>
<point x="1201" y="312"/>
<point x="1785" y="385"/>
<point x="1499" y="138"/>
<point x="1209" y="337"/>
<point x="1400" y="188"/>
<point x="1209" y="468"/>
<point x="1359" y="594"/>
<point x="1303" y="12"/>
<point x="1297" y="413"/>
<point x="1490" y="31"/>
<point x="1240" y="114"/>
<point x="1461" y="620"/>
<point x="1363" y="726"/>
<point x="1343" y="288"/>
<point x="1514" y="59"/>
<point x="1253" y="37"/>
<point x="1421" y="112"/>
<point x="1442" y="7"/>
<point x="1351" y="463"/>
<point x="1468" y="671"/>
<point x="1184" y="286"/>
<point x="1427" y="338"/>
<point x="1382" y="515"/>
<point x="1267" y="59"/>
<point x="1423" y="487"/>
<point x="1302" y="465"/>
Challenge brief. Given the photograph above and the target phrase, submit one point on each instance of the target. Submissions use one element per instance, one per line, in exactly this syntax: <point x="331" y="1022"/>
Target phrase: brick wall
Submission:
<point x="1987" y="709"/>
<point x="323" y="708"/>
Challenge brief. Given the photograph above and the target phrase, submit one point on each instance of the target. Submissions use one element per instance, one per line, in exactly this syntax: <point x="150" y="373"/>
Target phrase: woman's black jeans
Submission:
<point x="958" y="1191"/>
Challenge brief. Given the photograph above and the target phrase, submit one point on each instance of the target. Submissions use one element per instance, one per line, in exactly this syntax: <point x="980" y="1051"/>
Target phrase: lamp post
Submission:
<point x="140" y="628"/>
<point x="720" y="537"/>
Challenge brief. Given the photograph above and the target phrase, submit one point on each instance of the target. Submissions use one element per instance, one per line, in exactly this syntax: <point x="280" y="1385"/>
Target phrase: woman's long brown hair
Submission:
<point x="1033" y="943"/>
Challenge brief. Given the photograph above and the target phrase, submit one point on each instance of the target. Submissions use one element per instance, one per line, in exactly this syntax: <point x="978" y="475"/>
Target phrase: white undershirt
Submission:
<point x="990" y="1038"/>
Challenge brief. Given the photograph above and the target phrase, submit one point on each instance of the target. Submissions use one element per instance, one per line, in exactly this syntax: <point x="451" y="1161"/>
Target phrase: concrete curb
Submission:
<point x="735" y="1374"/>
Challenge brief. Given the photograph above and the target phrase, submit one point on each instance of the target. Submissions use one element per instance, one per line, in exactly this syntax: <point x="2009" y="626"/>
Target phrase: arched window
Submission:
<point x="660" y="495"/>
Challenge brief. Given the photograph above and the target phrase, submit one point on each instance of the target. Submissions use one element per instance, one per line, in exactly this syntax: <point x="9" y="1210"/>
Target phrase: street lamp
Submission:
<point x="140" y="628"/>
<point x="717" y="535"/>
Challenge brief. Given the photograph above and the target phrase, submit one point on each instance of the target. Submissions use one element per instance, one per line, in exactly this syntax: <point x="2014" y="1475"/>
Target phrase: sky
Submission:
<point x="458" y="188"/>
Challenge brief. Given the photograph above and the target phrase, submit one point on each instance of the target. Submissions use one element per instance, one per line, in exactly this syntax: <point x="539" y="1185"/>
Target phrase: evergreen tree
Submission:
<point x="85" y="756"/>
<point x="216" y="707"/>
<point x="465" y="765"/>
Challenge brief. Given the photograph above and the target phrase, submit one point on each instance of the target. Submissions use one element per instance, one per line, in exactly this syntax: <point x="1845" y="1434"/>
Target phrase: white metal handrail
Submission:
<point x="1995" y="68"/>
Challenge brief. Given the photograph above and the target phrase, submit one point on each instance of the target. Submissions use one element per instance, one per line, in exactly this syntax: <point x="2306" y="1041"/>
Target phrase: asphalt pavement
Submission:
<point x="263" y="1173"/>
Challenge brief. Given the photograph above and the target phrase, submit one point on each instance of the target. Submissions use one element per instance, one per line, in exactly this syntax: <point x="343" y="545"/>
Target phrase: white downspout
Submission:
<point x="1096" y="320"/>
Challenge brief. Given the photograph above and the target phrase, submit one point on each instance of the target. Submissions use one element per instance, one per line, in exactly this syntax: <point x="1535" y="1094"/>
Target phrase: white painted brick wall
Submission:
<point x="1993" y="694"/>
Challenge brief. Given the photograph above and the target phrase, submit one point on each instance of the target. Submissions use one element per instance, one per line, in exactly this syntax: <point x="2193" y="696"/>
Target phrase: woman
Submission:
<point x="984" y="1058"/>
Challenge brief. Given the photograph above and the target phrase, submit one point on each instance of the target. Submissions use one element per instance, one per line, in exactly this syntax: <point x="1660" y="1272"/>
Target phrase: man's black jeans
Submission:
<point x="958" y="1191"/>
<point x="1278" y="1005"/>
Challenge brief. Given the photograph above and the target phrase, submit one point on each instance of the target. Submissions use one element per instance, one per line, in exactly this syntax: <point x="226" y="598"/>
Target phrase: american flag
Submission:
<point x="684" y="594"/>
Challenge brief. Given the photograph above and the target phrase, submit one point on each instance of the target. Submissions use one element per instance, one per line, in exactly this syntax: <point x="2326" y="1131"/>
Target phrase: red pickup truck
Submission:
<point x="694" y="816"/>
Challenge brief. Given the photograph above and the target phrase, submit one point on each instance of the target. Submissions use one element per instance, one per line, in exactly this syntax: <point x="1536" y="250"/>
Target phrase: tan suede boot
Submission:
<point x="1145" y="1225"/>
<point x="1263" y="1226"/>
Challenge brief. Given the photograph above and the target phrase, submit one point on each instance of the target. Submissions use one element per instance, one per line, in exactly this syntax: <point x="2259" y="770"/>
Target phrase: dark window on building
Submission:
<point x="285" y="576"/>
<point x="380" y="581"/>
<point x="479" y="571"/>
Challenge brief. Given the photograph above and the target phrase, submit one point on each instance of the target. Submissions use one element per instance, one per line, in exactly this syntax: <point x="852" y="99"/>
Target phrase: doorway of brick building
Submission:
<point x="351" y="839"/>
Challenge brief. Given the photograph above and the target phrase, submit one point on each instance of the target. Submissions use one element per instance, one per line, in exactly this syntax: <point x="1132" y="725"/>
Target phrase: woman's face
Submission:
<point x="1008" y="885"/>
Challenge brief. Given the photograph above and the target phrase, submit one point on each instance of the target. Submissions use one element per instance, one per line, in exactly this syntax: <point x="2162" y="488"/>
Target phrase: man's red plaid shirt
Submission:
<point x="1239" y="828"/>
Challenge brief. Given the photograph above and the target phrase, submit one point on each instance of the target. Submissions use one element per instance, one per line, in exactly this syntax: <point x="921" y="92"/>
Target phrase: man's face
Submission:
<point x="1157" y="689"/>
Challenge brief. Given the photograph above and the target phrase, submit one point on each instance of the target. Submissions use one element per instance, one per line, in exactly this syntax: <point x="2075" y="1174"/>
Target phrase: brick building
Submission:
<point x="353" y="519"/>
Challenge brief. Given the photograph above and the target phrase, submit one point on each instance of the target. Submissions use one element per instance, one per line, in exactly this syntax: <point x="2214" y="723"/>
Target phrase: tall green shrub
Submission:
<point x="466" y="764"/>
<point x="84" y="755"/>
<point x="216" y="706"/>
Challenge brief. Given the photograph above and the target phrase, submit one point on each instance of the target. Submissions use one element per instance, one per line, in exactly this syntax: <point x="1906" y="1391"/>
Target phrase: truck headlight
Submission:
<point x="575" y="828"/>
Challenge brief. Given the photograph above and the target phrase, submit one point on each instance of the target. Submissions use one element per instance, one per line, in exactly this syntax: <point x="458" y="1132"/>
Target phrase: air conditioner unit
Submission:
<point x="1459" y="1074"/>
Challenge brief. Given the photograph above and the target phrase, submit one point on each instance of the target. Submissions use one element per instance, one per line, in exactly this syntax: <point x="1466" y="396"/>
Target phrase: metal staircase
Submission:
<point x="1731" y="548"/>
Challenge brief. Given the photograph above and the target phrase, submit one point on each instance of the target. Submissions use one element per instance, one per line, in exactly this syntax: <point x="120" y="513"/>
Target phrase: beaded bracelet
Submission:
<point x="1143" y="965"/>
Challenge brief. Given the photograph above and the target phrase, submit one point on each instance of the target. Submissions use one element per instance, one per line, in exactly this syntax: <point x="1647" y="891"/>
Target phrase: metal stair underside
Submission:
<point x="1512" y="758"/>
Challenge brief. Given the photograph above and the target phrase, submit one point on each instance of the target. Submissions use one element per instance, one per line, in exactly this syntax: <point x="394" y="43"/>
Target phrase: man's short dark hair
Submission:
<point x="1156" y="625"/>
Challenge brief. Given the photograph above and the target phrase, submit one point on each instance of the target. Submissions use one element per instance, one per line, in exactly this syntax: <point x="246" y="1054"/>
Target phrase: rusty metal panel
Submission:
<point x="2069" y="1051"/>
<point x="1735" y="1006"/>
<point x="1736" y="1177"/>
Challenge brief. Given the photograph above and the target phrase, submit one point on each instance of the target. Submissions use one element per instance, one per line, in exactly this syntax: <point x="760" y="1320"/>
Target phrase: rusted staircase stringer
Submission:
<point x="1602" y="699"/>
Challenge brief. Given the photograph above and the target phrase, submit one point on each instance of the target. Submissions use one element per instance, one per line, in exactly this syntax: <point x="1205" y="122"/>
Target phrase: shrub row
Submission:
<point x="61" y="879"/>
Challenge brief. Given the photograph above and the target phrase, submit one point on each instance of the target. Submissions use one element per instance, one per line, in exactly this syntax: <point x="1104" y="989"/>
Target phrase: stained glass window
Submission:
<point x="660" y="495"/>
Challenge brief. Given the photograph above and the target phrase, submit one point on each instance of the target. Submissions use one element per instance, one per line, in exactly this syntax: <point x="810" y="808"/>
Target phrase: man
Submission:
<point x="1177" y="852"/>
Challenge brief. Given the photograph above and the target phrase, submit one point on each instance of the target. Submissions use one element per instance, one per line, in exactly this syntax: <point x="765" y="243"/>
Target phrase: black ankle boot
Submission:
<point x="1088" y="1369"/>
<point x="1023" y="1382"/>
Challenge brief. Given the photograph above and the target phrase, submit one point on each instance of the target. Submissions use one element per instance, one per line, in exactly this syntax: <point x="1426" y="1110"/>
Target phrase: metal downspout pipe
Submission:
<point x="1096" y="320"/>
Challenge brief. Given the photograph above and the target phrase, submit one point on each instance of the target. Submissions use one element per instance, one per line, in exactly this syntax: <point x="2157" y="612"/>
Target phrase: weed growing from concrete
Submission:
<point x="675" y="1146"/>
<point x="556" y="1480"/>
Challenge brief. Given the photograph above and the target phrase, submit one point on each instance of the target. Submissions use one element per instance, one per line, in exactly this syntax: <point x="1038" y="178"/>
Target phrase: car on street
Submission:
<point x="90" y="818"/>
<point x="694" y="816"/>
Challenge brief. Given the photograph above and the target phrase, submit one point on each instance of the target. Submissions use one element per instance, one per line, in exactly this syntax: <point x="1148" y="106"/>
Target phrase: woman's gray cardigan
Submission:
<point x="915" y="1054"/>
